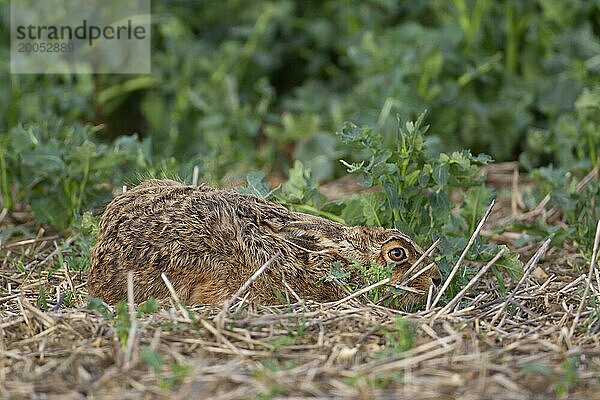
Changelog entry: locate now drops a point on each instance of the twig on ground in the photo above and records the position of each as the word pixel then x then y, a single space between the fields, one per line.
pixel 175 297
pixel 589 280
pixel 529 267
pixel 45 319
pixel 469 285
pixel 364 290
pixel 219 336
pixel 132 321
pixel 463 255
pixel 219 318
pixel 27 242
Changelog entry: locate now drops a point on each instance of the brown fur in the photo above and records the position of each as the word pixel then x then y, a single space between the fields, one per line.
pixel 209 242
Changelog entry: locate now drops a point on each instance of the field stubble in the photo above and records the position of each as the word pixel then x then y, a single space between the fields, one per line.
pixel 541 340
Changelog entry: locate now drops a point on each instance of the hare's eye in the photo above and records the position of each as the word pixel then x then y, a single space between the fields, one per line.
pixel 397 254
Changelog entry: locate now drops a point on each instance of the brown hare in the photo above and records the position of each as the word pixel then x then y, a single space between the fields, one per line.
pixel 208 242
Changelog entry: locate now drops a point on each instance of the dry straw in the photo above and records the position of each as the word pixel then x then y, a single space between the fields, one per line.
pixel 545 333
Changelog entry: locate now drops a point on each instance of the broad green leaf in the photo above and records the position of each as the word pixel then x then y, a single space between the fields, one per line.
pixel 440 174
pixel 474 206
pixel 152 358
pixel 353 212
pixel 256 185
pixel 371 204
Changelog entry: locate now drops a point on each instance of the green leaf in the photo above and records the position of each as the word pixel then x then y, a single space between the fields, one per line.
pixel 256 185
pixel 96 304
pixel 533 367
pixel 510 262
pixel 440 174
pixel 122 323
pixel 152 358
pixel 474 206
pixel 150 306
pixel 52 211
pixel 353 211
pixel 371 203
pixel 352 133
pixel 298 183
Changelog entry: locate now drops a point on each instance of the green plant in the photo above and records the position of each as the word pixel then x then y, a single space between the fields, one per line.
pixel 372 274
pixel 61 168
pixel 96 304
pixel 568 377
pixel 122 323
pixel 416 184
pixel 572 143
pixel 399 339
pixel 119 319
pixel 150 306
pixel 41 300
pixel 238 86
pixel 580 208
pixel 156 362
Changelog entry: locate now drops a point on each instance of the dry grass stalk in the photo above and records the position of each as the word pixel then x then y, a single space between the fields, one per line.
pixel 243 288
pixel 463 255
pixel 28 242
pixel 529 267
pixel 303 349
pixel 3 214
pixel 132 320
pixel 589 279
pixel 291 290
pixel 469 285
pixel 175 297
pixel 429 298
pixel 43 318
pixel 360 292
pixel 419 273
pixel 195 175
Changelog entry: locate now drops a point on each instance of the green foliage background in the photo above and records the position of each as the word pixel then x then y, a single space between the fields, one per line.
pixel 241 86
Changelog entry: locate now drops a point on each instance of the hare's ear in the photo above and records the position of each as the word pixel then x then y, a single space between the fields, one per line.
pixel 292 228
pixel 295 234
pixel 272 224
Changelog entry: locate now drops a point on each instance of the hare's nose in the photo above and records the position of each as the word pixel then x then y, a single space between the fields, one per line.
pixel 436 276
